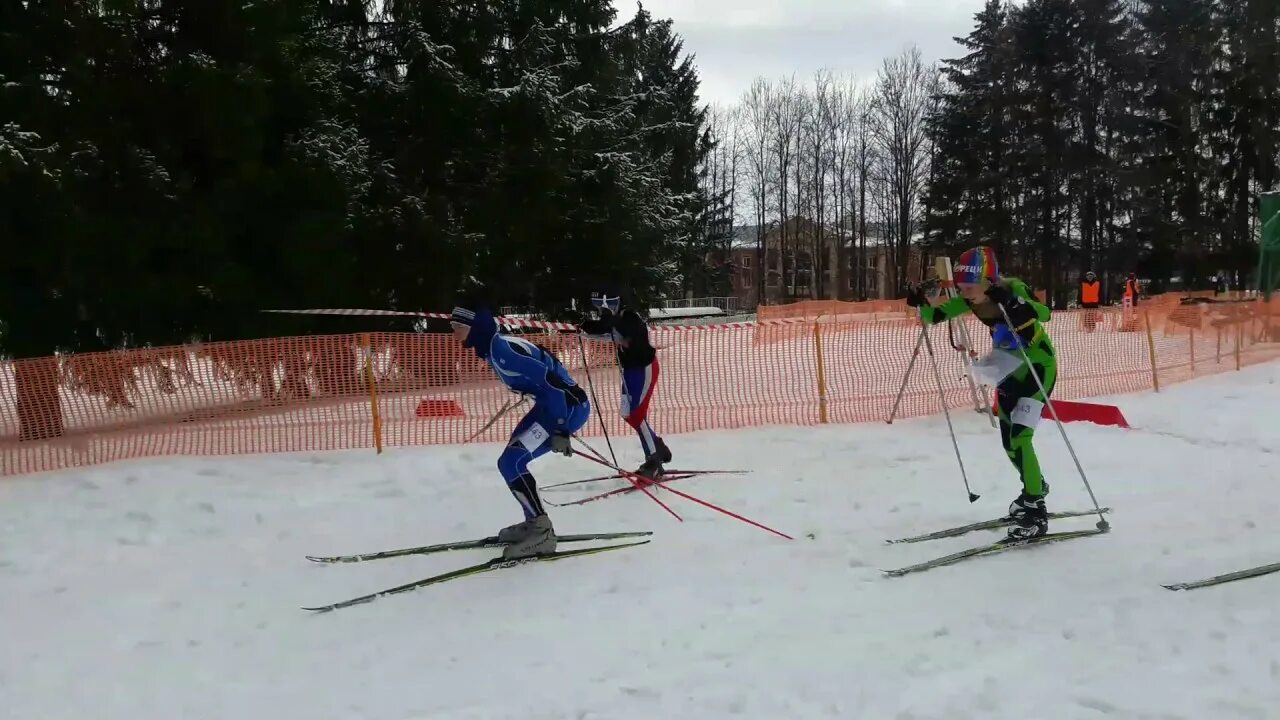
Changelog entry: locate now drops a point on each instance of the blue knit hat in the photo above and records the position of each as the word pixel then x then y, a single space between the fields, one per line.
pixel 483 328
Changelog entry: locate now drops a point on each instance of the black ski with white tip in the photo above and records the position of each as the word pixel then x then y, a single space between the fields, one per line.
pixel 487 566
pixel 996 547
pixel 488 542
pixel 995 524
pixel 1228 577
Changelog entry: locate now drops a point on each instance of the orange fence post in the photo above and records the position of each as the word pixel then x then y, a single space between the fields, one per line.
pixel 1239 339
pixel 1151 351
pixel 373 390
pixel 822 376
pixel 1193 349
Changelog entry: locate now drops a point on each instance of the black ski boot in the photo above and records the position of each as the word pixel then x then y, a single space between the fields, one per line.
pixel 1030 517
pixel 1017 506
pixel 652 469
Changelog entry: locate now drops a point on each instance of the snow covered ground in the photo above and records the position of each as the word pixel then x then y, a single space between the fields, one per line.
pixel 171 588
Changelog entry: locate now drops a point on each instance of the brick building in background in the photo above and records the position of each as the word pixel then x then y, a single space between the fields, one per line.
pixel 789 272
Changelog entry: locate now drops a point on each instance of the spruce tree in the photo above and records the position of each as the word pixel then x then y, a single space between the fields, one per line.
pixel 1177 180
pixel 969 198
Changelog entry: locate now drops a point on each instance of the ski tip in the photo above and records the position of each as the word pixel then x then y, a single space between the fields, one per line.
pixel 1175 586
pixel 325 560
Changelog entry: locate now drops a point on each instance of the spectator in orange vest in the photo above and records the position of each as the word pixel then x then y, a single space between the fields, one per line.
pixel 1132 288
pixel 1090 291
pixel 1090 298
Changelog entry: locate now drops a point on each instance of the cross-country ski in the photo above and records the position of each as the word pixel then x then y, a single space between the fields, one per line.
pixel 671 474
pixel 484 567
pixel 491 541
pixel 614 492
pixel 1227 577
pixel 995 524
pixel 992 549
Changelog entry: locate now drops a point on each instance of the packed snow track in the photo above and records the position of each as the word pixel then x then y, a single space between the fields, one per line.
pixel 155 590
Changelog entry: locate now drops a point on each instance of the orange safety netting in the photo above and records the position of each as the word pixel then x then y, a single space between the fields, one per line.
pixel 812 309
pixel 322 393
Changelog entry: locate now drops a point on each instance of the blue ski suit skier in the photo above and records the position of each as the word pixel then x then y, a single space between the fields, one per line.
pixel 560 409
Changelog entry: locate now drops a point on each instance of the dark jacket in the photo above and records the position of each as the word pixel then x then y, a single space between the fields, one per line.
pixel 626 325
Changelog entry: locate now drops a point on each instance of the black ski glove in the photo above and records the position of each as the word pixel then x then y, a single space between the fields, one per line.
pixel 915 296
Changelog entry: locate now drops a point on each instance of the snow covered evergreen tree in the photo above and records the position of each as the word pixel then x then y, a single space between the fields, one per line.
pixel 327 153
pixel 1130 137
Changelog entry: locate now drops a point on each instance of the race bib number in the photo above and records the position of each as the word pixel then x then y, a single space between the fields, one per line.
pixel 1028 412
pixel 532 438
pixel 995 366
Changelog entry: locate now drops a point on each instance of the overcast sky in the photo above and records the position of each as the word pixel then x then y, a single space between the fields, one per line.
pixel 736 40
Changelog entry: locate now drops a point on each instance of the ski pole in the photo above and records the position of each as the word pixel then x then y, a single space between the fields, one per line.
pixel 506 408
pixel 666 478
pixel 586 367
pixel 907 375
pixel 632 477
pixel 979 399
pixel 942 397
pixel 1102 521
pixel 681 473
pixel 629 476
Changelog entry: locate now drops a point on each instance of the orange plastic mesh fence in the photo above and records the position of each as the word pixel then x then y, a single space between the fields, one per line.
pixel 319 393
pixel 812 309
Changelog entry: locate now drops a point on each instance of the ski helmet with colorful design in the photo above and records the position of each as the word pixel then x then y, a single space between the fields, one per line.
pixel 976 265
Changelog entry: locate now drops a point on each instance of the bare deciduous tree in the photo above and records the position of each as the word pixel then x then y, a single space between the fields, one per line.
pixel 866 159
pixel 758 163
pixel 784 114
pixel 820 143
pixel 720 184
pixel 848 162
pixel 898 127
pixel 846 121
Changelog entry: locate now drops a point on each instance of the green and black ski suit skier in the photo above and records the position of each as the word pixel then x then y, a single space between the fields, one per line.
pixel 1019 400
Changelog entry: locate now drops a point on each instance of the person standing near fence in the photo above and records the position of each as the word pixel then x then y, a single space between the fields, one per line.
pixel 560 408
pixel 638 363
pixel 1020 402
pixel 1132 289
pixel 1090 299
